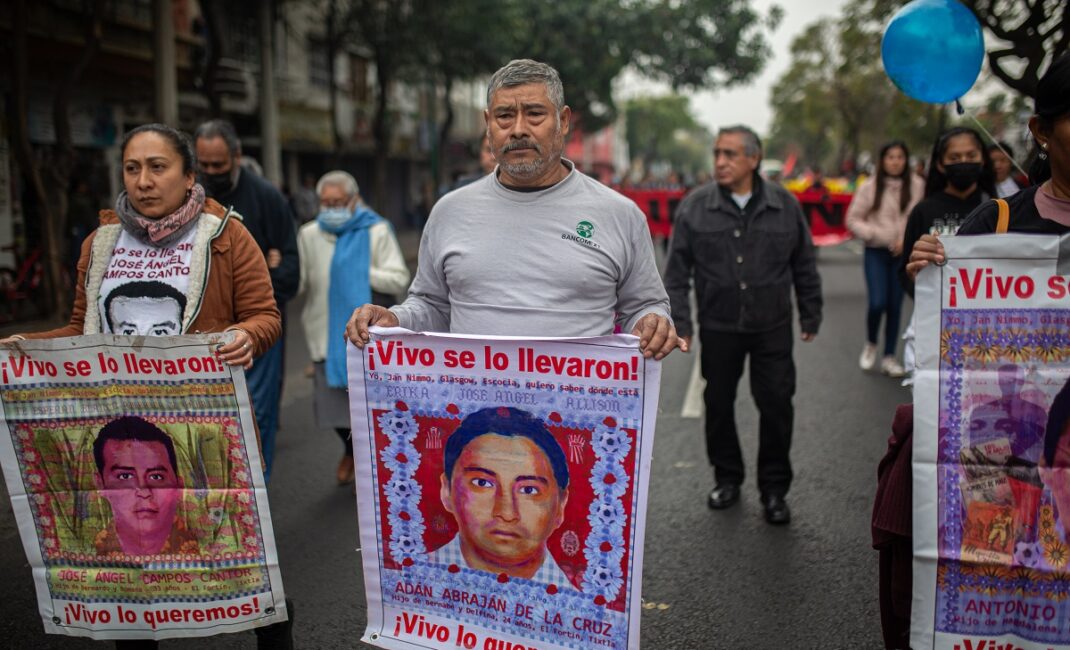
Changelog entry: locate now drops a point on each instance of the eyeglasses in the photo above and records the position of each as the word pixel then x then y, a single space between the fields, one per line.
pixel 331 205
pixel 730 154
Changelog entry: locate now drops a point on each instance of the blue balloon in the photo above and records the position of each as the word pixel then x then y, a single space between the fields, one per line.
pixel 933 49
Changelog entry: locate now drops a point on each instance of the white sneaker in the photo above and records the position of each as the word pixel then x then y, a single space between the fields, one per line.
pixel 892 368
pixel 868 358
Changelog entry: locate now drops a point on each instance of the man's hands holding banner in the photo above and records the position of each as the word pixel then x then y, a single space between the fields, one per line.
pixel 657 336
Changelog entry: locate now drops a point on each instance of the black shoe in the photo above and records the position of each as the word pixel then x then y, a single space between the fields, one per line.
pixel 776 508
pixel 723 496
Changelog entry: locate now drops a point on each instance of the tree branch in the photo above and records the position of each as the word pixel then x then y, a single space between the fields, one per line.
pixel 1013 82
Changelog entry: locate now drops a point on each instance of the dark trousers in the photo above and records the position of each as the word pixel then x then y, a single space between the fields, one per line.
pixel 896 578
pixel 345 435
pixel 885 294
pixel 772 384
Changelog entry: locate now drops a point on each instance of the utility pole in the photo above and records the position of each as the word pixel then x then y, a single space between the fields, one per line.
pixel 269 110
pixel 165 79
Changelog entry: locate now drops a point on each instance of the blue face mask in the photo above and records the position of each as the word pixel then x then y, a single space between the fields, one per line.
pixel 333 218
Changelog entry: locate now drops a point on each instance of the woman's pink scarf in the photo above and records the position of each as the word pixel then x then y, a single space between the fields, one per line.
pixel 166 229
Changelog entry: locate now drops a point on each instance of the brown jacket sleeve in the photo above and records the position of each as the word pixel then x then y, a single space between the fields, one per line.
pixel 76 325
pixel 255 310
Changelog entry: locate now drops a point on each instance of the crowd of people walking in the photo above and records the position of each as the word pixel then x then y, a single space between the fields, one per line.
pixel 741 252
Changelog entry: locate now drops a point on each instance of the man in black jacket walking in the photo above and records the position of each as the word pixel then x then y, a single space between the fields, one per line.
pixel 746 244
pixel 266 215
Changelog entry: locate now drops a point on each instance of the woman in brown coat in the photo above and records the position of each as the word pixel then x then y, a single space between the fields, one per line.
pixel 169 261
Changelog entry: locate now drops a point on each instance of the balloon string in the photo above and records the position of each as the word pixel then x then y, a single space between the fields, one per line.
pixel 962 111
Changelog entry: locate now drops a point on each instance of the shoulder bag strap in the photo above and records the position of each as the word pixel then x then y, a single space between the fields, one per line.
pixel 1004 220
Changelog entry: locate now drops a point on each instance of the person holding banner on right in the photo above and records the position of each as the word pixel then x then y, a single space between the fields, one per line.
pixel 1043 208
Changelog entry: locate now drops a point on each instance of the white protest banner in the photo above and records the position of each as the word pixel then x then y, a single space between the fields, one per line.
pixel 992 447
pixel 501 488
pixel 135 476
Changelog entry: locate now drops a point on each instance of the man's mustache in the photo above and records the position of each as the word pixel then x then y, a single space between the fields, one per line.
pixel 521 144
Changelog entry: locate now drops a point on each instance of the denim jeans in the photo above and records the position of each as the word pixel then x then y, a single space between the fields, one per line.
pixel 885 295
pixel 265 388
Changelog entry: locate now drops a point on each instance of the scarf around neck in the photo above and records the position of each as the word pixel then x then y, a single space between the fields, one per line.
pixel 349 286
pixel 166 229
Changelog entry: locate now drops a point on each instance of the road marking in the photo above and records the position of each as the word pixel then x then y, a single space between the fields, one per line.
pixel 693 405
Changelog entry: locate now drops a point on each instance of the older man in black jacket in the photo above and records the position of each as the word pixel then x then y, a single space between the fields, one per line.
pixel 746 243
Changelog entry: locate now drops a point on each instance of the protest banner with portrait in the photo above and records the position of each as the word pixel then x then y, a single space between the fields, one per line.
pixel 992 446
pixel 135 476
pixel 501 489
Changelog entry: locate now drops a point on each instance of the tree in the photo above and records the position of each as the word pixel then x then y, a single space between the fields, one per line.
pixel 835 101
pixel 214 26
pixel 688 44
pixel 388 30
pixel 1032 30
pixel 457 46
pixel 653 125
pixel 49 174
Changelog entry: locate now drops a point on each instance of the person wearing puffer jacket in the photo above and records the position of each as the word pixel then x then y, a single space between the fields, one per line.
pixel 878 216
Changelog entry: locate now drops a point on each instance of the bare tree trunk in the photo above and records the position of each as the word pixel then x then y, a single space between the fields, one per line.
pixel 332 86
pixel 381 127
pixel 62 164
pixel 20 136
pixel 213 28
pixel 444 133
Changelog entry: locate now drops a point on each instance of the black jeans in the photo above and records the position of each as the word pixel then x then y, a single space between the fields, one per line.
pixel 345 435
pixel 772 384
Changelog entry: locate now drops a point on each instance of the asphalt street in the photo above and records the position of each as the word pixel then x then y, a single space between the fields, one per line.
pixel 711 580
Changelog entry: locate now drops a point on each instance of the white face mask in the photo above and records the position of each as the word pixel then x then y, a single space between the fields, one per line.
pixel 334 217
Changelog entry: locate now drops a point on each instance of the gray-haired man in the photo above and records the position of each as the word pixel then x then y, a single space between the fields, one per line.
pixel 537 249
pixel 746 243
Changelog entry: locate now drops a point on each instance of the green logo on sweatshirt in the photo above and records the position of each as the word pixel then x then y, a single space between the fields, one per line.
pixel 585 229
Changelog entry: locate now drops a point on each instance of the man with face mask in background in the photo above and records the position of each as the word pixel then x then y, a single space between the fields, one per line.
pixel 267 216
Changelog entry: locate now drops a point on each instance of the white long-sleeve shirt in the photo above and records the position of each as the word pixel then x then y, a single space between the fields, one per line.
pixel 564 261
pixel 387 274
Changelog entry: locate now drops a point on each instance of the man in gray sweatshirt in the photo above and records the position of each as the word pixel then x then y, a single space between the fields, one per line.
pixel 535 248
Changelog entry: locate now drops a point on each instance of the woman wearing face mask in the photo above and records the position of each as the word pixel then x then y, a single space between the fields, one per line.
pixel 1043 208
pixel 877 216
pixel 960 179
pixel 346 253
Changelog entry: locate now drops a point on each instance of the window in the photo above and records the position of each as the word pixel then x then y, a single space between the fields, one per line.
pixel 319 74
